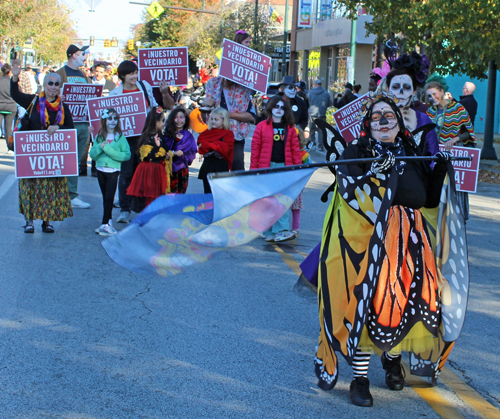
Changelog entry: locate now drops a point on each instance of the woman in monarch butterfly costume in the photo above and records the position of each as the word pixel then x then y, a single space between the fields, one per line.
pixel 389 279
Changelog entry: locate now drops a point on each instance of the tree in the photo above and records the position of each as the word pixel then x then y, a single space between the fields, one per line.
pixel 459 37
pixel 203 33
pixel 47 21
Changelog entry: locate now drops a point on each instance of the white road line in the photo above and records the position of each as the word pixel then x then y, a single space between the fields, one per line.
pixel 6 185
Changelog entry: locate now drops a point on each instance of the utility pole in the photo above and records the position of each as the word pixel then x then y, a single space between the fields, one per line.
pixel 285 40
pixel 488 151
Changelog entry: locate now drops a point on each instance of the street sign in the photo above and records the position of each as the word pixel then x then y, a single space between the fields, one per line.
pixel 155 9
pixel 130 106
pixel 76 95
pixel 466 172
pixel 245 66
pixel 164 64
pixel 39 154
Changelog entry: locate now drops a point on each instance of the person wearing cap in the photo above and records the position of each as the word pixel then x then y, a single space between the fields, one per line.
pixel 71 73
pixel 302 92
pixel 288 89
pixel 341 100
pixel 320 101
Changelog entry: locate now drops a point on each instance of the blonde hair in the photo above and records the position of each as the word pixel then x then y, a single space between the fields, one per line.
pixel 225 118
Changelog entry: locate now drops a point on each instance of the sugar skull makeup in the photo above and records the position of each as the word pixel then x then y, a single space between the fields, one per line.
pixel 279 110
pixel 402 88
pixel 112 121
pixel 434 96
pixel 383 123
pixel 290 91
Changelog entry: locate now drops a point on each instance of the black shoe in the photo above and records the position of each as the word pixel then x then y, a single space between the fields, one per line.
pixel 394 372
pixel 29 228
pixel 360 392
pixel 82 174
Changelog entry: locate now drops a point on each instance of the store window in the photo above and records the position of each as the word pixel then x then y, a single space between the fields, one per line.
pixel 341 64
pixel 313 65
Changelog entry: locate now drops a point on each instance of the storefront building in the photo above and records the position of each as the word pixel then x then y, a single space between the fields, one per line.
pixel 332 49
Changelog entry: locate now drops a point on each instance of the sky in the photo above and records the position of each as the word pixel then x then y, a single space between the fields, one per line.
pixel 112 18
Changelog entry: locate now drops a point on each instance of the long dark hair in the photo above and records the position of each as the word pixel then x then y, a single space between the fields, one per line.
pixel 287 118
pixel 240 36
pixel 170 128
pixel 103 131
pixel 403 133
pixel 154 115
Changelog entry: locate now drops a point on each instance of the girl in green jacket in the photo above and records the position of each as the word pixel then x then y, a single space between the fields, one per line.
pixel 109 150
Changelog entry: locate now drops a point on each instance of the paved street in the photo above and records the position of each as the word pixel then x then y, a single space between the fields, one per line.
pixel 80 337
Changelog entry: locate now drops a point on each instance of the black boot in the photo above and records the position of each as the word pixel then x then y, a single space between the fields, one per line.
pixel 394 372
pixel 360 392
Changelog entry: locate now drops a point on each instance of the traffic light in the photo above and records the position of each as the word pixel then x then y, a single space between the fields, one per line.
pixel 130 44
pixel 92 40
pixel 114 42
pixel 106 43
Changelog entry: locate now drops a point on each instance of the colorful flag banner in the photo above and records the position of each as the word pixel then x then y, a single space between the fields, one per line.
pixel 177 231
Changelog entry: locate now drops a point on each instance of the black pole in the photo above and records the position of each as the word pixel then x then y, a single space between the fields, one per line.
pixel 256 25
pixel 488 151
pixel 324 164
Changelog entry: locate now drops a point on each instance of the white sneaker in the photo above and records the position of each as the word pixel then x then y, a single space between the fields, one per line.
pixel 97 230
pixel 269 239
pixel 124 217
pixel 78 203
pixel 284 236
pixel 106 230
pixel 10 152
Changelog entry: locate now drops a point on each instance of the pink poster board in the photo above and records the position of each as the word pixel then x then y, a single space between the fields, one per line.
pixel 76 95
pixel 466 172
pixel 245 66
pixel 345 118
pixel 164 64
pixel 39 154
pixel 131 107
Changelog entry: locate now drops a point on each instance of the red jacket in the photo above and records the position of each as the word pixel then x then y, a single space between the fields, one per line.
pixel 262 146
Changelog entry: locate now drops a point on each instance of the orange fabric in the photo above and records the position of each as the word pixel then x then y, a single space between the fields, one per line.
pixel 394 286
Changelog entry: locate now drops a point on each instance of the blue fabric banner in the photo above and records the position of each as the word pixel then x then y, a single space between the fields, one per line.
pixel 177 231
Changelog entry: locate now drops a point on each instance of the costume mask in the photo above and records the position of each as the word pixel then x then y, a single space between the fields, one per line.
pixel 290 91
pixel 402 88
pixel 279 110
pixel 383 123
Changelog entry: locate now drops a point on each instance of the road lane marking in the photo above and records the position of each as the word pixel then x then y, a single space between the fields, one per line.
pixel 420 385
pixel 7 183
pixel 468 394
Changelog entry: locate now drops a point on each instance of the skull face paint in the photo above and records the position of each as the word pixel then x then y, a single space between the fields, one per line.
pixel 279 110
pixel 402 88
pixel 434 96
pixel 383 123
pixel 290 91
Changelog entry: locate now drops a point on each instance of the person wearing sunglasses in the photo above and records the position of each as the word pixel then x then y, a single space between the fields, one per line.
pixel 275 143
pixel 47 198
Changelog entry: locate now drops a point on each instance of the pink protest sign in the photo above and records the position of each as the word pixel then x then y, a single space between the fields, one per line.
pixel 130 106
pixel 39 154
pixel 76 95
pixel 164 64
pixel 466 172
pixel 345 118
pixel 245 66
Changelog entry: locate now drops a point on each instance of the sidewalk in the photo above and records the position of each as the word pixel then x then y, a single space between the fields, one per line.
pixel 493 165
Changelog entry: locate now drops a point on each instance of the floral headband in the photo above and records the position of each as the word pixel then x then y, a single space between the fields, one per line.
pixel 241 33
pixel 105 114
pixel 159 109
pixel 370 99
